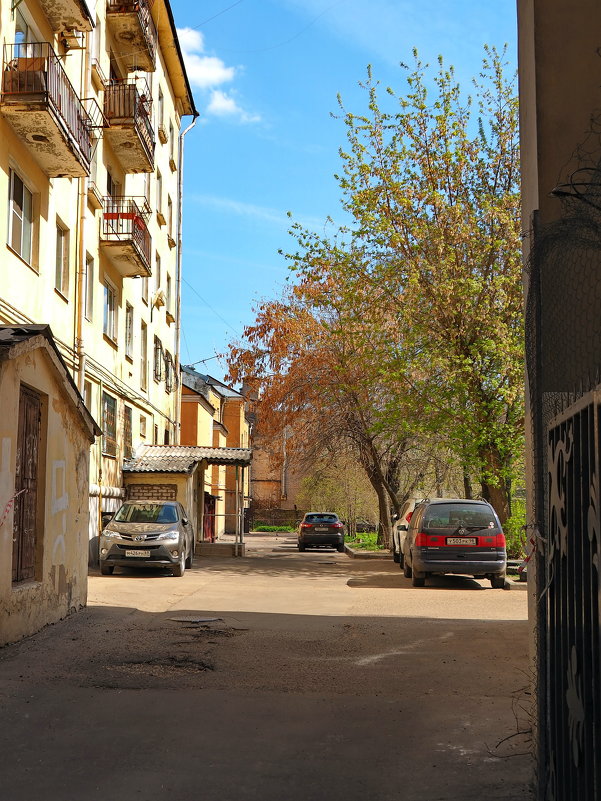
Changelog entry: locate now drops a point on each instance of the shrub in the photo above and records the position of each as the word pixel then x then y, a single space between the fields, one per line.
pixel 515 532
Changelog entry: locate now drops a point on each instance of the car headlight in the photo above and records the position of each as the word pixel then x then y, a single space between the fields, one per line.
pixel 111 535
pixel 169 535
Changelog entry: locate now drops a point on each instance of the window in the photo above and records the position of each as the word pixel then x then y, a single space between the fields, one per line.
pixel 87 394
pixel 110 311
pixel 20 232
pixel 127 432
pixel 129 330
pixel 168 372
pixel 145 290
pixel 166 437
pixel 158 270
pixel 168 293
pixel 61 274
pixel 142 427
pixel 161 109
pixel 169 216
pixel 158 359
pixel 156 435
pixel 88 299
pixel 147 187
pixel 109 425
pixel 143 355
pixel 159 191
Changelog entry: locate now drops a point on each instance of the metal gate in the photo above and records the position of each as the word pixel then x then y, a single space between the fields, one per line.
pixel 572 602
pixel 26 486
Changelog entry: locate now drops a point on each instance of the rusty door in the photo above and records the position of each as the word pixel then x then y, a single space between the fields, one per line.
pixel 26 483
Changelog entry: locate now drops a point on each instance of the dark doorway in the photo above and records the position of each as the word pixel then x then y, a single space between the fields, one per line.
pixel 26 485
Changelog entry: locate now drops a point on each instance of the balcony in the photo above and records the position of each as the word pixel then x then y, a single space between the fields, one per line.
pixel 43 108
pixel 135 33
pixel 127 109
pixel 124 236
pixel 67 15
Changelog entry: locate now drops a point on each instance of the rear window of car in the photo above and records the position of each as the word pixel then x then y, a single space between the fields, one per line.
pixel 322 518
pixel 452 516
pixel 146 513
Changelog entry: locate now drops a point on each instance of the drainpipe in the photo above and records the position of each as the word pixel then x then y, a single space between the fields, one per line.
pixel 178 291
pixel 81 253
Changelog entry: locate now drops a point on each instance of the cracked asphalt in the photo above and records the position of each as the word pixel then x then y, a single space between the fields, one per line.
pixel 275 676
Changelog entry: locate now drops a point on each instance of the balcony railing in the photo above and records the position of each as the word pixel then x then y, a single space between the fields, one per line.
pixel 125 222
pixel 33 76
pixel 136 32
pixel 127 105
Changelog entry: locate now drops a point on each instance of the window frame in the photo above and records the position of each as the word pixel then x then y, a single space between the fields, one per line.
pixel 109 435
pixel 129 331
pixel 110 314
pixel 21 216
pixel 61 259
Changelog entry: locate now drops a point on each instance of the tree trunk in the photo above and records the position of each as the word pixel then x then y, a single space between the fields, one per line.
pixel 495 490
pixel 467 482
pixel 384 529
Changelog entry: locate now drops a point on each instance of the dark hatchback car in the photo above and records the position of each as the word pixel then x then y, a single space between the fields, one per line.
pixel 321 528
pixel 455 535
pixel 155 533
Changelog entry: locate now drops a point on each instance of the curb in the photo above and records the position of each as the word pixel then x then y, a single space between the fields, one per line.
pixel 356 554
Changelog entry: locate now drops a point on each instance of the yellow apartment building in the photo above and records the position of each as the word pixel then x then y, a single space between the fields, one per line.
pixel 91 106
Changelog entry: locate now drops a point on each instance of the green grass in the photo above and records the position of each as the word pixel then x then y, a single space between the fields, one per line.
pixel 368 541
pixel 264 527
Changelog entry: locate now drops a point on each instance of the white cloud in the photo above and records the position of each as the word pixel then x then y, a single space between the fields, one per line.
pixel 223 105
pixel 253 211
pixel 207 72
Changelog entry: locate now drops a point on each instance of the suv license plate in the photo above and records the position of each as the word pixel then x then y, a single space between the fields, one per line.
pixel 462 540
pixel 321 528
pixel 137 553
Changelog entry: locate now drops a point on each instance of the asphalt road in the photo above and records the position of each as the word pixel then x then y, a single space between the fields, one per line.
pixel 279 676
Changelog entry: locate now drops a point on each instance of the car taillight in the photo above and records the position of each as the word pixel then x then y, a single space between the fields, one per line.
pixel 500 541
pixel 338 525
pixel 409 515
pixel 422 540
pixel 306 525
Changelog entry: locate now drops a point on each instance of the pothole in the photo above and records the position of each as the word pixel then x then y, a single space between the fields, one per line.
pixel 163 666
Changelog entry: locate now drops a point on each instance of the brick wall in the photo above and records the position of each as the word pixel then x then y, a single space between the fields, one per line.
pixel 152 492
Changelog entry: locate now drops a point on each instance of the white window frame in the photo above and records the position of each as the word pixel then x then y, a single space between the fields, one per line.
pixel 61 263
pixel 109 323
pixel 129 330
pixel 24 215
pixel 89 288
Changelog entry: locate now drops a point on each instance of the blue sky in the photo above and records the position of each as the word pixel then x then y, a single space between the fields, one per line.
pixel 266 75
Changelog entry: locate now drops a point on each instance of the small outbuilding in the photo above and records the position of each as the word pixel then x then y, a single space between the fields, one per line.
pixel 45 437
pixel 177 473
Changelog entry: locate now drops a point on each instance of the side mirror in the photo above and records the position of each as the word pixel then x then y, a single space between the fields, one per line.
pixel 105 518
pixel 395 516
pixel 404 527
pixel 185 521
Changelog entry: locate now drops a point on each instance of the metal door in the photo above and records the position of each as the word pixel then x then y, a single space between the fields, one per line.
pixel 26 484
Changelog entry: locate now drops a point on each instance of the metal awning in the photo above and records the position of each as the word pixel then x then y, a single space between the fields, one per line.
pixel 184 458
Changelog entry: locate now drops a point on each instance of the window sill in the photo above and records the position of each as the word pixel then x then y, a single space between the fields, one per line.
pixel 129 358
pixel 111 341
pixel 61 295
pixel 109 455
pixel 26 263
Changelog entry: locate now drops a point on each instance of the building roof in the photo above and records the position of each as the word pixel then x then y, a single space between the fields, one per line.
pixel 200 382
pixel 16 340
pixel 172 53
pixel 183 458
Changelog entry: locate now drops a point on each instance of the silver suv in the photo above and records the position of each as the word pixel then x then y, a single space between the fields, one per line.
pixel 455 535
pixel 156 533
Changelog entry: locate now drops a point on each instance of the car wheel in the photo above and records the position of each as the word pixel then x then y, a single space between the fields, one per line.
pixel 418 579
pixel 190 559
pixel 180 568
pixel 497 582
pixel 406 568
pixel 301 547
pixel 401 561
pixel 106 570
pixel 396 557
pixel 340 548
